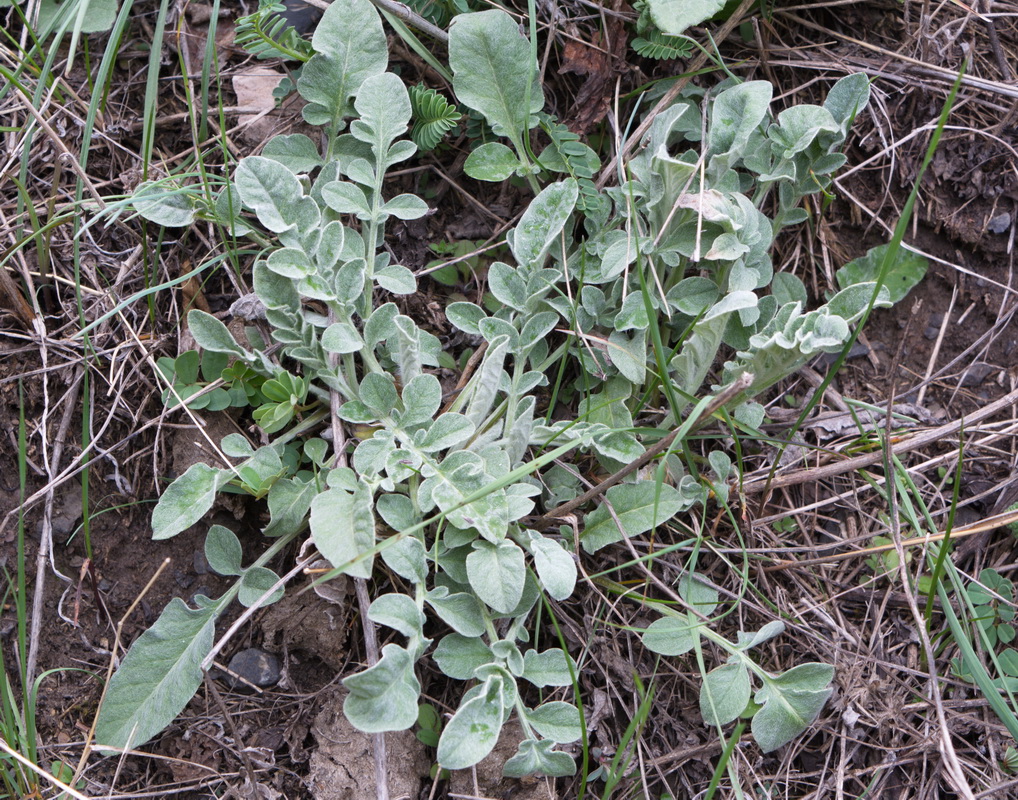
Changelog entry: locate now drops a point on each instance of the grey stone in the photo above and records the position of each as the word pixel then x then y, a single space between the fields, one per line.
pixel 976 374
pixel 999 223
pixel 255 666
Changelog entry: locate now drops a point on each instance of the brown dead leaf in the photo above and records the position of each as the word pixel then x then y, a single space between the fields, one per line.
pixel 253 87
pixel 601 60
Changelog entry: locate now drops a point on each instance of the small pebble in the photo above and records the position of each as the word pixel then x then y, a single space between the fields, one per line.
pixel 999 223
pixel 201 564
pixel 858 351
pixel 182 579
pixel 255 666
pixel 976 374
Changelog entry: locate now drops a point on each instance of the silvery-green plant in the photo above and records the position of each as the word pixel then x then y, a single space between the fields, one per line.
pixel 452 479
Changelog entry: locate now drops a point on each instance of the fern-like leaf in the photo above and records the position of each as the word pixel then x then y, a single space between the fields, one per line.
pixel 657 45
pixel 268 34
pixel 577 160
pixel 434 117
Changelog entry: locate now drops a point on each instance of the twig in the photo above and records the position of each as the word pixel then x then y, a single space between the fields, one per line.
pixel 403 12
pixel 954 769
pixel 723 397
pixel 938 73
pixel 245 759
pixel 46 539
pixel 988 524
pixel 468 371
pixel 371 646
pixel 906 445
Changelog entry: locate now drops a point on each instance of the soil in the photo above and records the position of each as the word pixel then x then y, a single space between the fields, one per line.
pixel 949 347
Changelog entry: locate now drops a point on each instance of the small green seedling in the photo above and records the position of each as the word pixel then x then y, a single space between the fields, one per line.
pixel 992 597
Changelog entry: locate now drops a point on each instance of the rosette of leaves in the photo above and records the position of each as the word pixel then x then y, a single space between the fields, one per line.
pixel 453 480
pixel 450 483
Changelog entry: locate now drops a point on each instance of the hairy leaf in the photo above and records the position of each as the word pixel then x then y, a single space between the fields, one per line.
pixel 187 499
pixel 493 68
pixel 158 676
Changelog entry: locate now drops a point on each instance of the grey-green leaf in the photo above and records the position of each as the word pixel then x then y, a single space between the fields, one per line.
pixel 422 397
pixel 295 151
pixel 555 567
pixel 223 551
pixel 493 68
pixel 473 731
pixel 271 190
pixel 406 206
pixel 384 696
pixel 350 46
pixel 343 529
pixel 905 269
pixel 557 721
pixel 447 431
pixel 341 337
pixel 736 113
pixel 255 583
pixel 543 221
pixel 492 162
pixel 548 668
pixel 378 392
pixel 672 636
pixel 164 204
pixel 675 16
pixel 459 610
pixel 639 507
pixel 396 279
pixel 538 755
pixel 724 694
pixel 187 499
pixel 458 656
pixel 791 702
pixel 399 612
pixel 158 677
pixel 212 334
pixel 507 286
pixel 497 573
